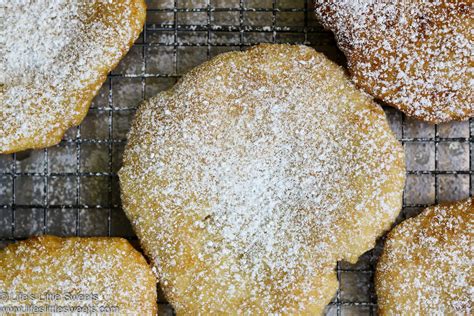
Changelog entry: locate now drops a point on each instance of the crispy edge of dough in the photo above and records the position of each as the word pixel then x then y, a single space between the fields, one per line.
pixel 85 96
pixel 361 83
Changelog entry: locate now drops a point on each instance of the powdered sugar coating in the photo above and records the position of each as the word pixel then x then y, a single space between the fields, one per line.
pixel 414 55
pixel 97 272
pixel 249 179
pixel 57 55
pixel 426 265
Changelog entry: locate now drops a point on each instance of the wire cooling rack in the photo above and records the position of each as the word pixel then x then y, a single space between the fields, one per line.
pixel 72 188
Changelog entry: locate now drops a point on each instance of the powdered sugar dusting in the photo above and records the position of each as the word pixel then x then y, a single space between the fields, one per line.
pixel 39 42
pixel 249 179
pixel 87 272
pixel 414 55
pixel 57 54
pixel 426 266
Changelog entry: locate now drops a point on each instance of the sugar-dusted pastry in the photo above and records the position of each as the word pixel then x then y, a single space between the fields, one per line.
pixel 253 175
pixel 93 275
pixel 414 55
pixel 426 265
pixel 55 57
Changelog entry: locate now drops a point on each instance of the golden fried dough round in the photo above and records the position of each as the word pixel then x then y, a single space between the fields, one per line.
pixel 253 175
pixel 96 274
pixel 414 55
pixel 56 56
pixel 426 265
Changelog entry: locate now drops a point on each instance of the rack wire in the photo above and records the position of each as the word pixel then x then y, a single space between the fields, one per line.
pixel 72 188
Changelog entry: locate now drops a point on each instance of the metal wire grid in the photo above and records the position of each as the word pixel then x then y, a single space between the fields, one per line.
pixel 72 188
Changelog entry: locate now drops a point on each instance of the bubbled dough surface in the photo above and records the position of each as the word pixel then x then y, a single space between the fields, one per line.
pixel 108 267
pixel 57 55
pixel 250 178
pixel 414 55
pixel 426 264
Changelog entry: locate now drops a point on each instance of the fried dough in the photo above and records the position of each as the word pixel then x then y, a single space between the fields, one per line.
pixel 253 175
pixel 97 274
pixel 414 55
pixel 426 264
pixel 57 55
